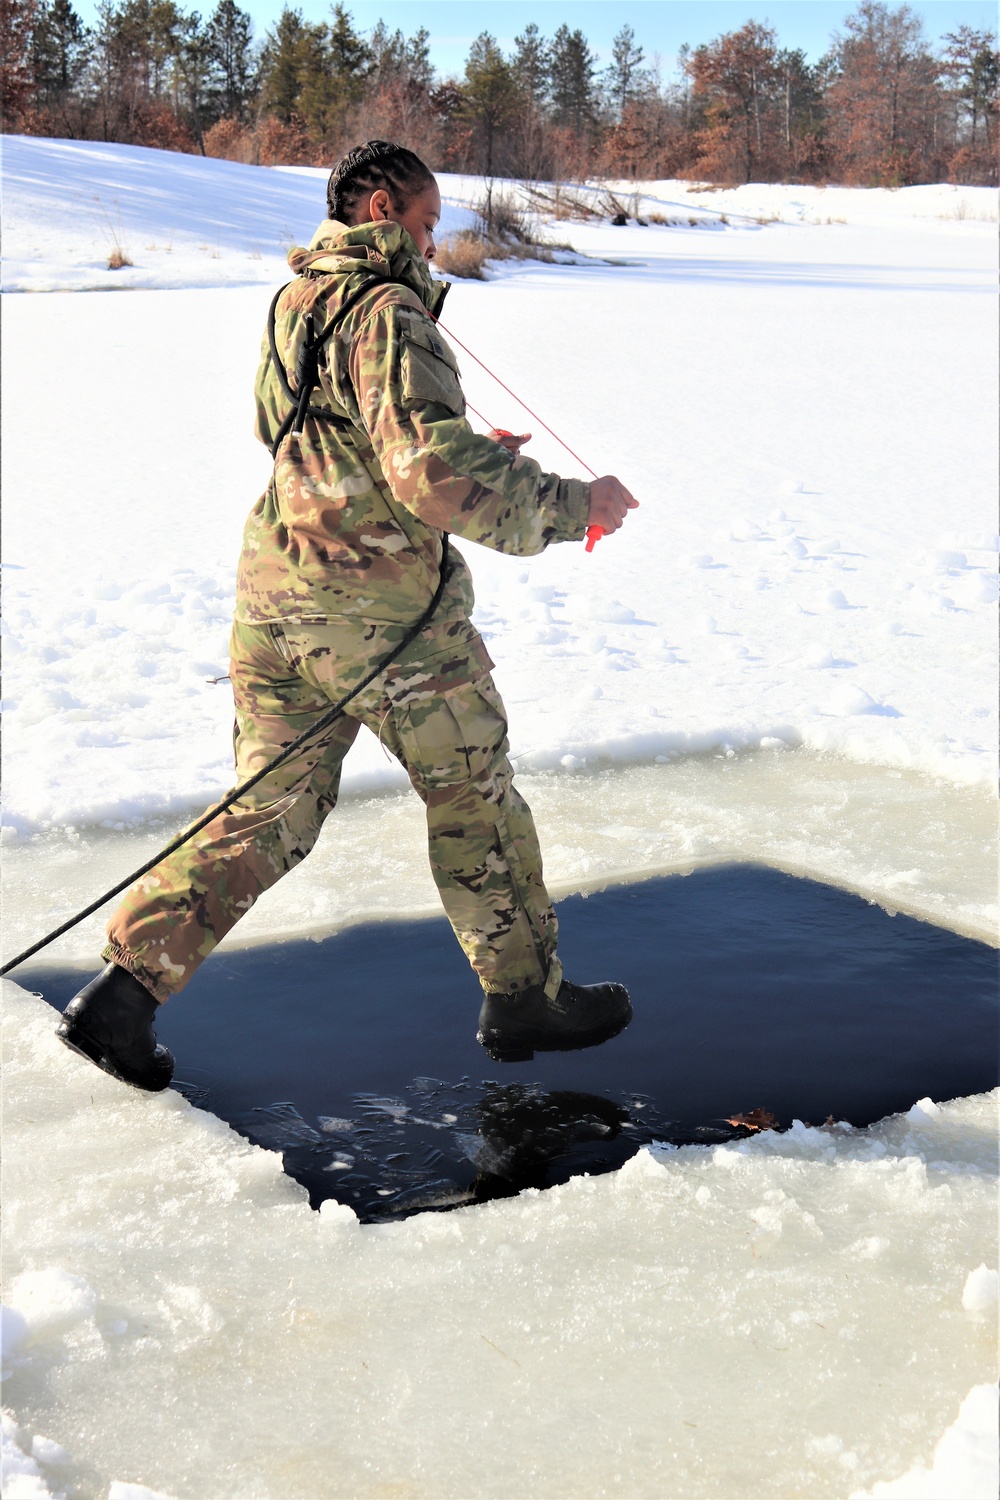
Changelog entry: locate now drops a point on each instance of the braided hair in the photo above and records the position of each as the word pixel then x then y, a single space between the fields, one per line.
pixel 376 164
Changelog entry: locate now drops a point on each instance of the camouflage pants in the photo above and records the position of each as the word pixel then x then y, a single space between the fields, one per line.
pixel 439 713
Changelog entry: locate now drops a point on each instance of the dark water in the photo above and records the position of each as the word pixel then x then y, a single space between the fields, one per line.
pixel 356 1056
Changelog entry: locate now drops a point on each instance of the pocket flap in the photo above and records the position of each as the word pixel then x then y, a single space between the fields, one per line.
pixel 429 370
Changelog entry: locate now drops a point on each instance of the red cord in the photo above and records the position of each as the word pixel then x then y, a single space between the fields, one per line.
pixel 507 388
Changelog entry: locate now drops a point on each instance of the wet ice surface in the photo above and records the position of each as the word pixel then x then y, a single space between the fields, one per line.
pixel 913 842
pixel 356 1057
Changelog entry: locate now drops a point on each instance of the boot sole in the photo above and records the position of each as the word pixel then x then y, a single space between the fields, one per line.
pixel 522 1049
pixel 86 1046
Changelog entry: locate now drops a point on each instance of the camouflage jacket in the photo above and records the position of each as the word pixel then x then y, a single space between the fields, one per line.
pixel 352 520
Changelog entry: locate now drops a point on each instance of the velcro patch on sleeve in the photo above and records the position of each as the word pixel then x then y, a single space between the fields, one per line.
pixel 429 370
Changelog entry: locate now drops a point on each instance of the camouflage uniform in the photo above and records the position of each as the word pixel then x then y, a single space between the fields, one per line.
pixel 340 554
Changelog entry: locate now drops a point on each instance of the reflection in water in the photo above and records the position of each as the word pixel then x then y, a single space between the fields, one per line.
pixel 523 1131
pixel 458 1143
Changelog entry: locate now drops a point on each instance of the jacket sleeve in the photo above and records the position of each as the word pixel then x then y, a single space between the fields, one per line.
pixel 406 388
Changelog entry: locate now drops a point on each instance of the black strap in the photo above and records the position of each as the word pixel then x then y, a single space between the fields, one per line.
pixel 307 364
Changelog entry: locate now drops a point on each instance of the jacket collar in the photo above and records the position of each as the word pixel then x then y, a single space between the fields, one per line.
pixel 340 249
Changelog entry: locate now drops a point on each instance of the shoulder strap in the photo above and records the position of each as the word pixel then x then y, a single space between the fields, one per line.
pixel 307 364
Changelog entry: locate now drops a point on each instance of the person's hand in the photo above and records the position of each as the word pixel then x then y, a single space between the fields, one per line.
pixel 610 503
pixel 508 440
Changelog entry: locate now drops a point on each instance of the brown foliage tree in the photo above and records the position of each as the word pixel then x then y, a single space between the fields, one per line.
pixel 884 98
pixel 736 77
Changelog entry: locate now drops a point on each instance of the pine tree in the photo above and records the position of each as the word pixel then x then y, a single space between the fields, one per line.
pixel 572 70
pixel 738 74
pixel 972 63
pixel 418 59
pixel 349 56
pixel 60 50
pixel 282 64
pixel 530 65
pixel 625 77
pixel 489 97
pixel 17 19
pixel 802 112
pixel 883 95
pixel 232 64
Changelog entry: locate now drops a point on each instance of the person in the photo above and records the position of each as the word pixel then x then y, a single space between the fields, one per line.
pixel 341 555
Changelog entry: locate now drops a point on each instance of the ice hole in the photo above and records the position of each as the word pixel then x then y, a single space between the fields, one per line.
pixel 754 990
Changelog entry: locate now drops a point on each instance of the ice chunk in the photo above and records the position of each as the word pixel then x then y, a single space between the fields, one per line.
pixel 334 1215
pixel 923 1111
pixel 13 1332
pixel 977 587
pixel 48 1452
pixel 51 1300
pixel 20 1475
pixel 278 1127
pixel 946 562
pixel 982 1289
pixel 965 1465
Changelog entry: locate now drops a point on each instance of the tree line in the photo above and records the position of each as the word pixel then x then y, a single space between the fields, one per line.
pixel 882 107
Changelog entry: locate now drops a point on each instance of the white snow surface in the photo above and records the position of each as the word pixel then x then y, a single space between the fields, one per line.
pixel 805 410
pixel 775 1317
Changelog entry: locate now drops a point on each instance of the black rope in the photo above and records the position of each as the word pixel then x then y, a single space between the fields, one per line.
pixel 323 723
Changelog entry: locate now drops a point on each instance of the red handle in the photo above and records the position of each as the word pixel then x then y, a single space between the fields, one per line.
pixel 594 534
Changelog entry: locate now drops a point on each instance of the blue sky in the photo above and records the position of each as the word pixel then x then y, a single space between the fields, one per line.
pixel 661 26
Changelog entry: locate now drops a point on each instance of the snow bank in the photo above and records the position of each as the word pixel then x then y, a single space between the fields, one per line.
pixel 783 1315
pixel 182 220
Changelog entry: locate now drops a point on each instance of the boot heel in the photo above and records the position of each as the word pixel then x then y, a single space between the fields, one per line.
pixel 79 1041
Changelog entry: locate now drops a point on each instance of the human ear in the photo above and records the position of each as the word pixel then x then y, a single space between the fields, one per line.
pixel 378 207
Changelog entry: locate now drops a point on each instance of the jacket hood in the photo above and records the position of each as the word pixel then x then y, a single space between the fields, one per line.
pixel 341 249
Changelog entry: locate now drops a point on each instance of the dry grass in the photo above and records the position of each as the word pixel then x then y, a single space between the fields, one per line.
pixel 675 221
pixel 964 210
pixel 463 254
pixel 503 232
pixel 118 258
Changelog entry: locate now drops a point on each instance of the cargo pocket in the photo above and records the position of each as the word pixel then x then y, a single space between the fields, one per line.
pixel 454 737
pixel 429 371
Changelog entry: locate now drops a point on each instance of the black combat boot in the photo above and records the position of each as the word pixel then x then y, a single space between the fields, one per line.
pixel 514 1026
pixel 110 1022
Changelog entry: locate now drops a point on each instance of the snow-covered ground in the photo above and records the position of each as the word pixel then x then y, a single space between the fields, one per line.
pixel 805 412
pixel 789 654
